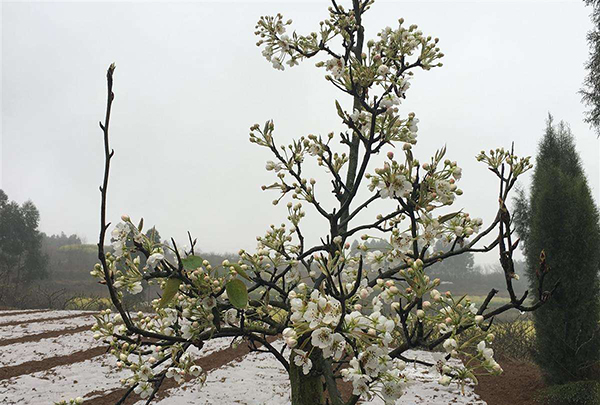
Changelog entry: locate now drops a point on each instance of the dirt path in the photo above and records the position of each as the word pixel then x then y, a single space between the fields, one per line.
pixel 45 335
pixel 46 364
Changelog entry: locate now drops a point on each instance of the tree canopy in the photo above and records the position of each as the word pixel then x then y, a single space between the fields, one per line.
pixel 21 257
pixel 343 313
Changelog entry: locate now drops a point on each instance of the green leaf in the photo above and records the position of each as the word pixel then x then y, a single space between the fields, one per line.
pixel 241 271
pixel 171 288
pixel 237 293
pixel 340 111
pixel 448 217
pixel 192 262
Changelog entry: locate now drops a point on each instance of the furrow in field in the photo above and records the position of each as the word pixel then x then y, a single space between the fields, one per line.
pixel 214 354
pixel 49 363
pixel 61 382
pixel 89 374
pixel 63 345
pixel 44 335
pixel 6 312
pixel 40 317
pixel 26 329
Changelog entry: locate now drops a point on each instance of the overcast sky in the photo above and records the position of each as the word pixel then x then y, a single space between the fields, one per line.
pixel 190 82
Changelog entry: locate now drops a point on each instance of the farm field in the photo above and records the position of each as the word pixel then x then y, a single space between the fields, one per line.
pixel 49 356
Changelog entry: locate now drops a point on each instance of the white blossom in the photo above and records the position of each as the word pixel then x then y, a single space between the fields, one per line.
pixel 144 389
pixel 450 344
pixel 154 259
pixel 302 360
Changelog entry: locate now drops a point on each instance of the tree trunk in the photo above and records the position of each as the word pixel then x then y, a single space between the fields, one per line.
pixel 306 389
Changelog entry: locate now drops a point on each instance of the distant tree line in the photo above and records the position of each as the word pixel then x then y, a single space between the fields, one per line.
pixel 40 270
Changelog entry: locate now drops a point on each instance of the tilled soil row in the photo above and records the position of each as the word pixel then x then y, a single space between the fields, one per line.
pixel 211 362
pixel 47 364
pixel 16 323
pixel 45 335
pixel 17 312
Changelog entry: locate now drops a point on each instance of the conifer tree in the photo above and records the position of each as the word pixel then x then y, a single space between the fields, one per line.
pixel 559 223
pixel 591 85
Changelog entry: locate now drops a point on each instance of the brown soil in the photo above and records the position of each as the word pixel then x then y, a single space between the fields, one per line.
pixel 46 364
pixel 208 363
pixel 45 335
pixel 15 323
pixel 517 385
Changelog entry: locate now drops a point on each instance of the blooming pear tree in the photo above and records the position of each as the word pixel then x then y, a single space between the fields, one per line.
pixel 342 313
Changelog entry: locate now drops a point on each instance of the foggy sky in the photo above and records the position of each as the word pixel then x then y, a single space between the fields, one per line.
pixel 190 82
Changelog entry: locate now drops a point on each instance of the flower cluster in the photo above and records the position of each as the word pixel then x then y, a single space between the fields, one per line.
pixel 495 158
pixel 375 372
pixel 405 42
pixel 123 262
pixel 437 186
pixel 141 360
pixel 282 48
pixel 392 180
pixel 314 310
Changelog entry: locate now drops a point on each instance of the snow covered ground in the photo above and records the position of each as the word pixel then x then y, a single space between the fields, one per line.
pixel 38 316
pixel 12 311
pixel 260 379
pixel 20 353
pixel 89 379
pixel 62 382
pixel 26 329
pixel 257 379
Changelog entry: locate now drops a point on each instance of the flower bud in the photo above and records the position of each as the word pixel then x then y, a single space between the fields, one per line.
pixel 444 380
